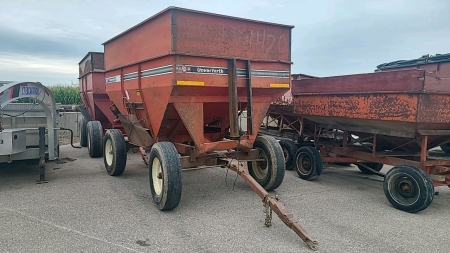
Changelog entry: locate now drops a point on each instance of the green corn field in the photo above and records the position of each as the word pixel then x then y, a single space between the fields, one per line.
pixel 66 95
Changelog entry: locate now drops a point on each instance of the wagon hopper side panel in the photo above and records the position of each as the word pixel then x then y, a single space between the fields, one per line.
pixel 223 37
pixel 147 41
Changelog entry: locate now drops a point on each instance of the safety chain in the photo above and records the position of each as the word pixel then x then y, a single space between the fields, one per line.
pixel 267 209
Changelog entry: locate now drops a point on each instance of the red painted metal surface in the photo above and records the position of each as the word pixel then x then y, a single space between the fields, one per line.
pixel 184 76
pixel 181 31
pixel 93 90
pixel 395 103
pixel 226 37
pixel 92 62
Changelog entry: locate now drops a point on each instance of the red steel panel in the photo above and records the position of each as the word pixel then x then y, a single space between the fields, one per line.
pixel 403 81
pixel 96 83
pixel 437 75
pixel 151 39
pixel 200 34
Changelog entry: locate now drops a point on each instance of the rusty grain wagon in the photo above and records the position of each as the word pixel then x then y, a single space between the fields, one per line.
pixel 390 117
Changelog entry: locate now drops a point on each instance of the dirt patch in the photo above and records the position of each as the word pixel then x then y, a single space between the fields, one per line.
pixel 64 160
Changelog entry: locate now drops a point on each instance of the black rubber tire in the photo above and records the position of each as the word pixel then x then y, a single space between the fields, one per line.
pixel 446 148
pixel 289 149
pixel 95 138
pixel 374 166
pixel 308 163
pixel 114 152
pixel 420 184
pixel 83 131
pixel 169 196
pixel 269 173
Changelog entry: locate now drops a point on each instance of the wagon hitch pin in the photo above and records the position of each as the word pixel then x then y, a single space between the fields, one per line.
pixel 276 206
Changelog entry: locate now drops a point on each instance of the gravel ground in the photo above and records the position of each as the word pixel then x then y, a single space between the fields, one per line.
pixel 65 140
pixel 82 209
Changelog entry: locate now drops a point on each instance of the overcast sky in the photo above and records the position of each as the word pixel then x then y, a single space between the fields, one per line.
pixel 44 40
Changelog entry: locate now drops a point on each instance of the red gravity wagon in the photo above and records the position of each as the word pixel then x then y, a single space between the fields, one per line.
pixel 176 84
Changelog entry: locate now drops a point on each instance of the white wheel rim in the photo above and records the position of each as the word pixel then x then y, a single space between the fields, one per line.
pixel 109 155
pixel 157 176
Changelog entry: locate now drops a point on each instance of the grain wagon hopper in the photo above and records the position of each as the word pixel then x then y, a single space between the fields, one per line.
pixel 177 83
pixel 388 117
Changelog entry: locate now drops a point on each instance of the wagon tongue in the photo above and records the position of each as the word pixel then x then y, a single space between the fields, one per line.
pixel 272 203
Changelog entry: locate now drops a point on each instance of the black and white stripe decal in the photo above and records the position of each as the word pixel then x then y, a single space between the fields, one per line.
pixel 191 69
pixel 156 71
pixel 144 73
pixel 130 76
pixel 209 70
pixel 269 73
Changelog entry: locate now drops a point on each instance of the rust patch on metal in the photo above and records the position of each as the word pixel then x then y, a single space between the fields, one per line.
pixel 391 107
pixel 434 108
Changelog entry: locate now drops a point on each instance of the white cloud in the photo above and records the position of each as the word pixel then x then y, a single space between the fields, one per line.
pixel 31 68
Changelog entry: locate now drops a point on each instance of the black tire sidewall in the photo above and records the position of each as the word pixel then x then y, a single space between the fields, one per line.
pixel 172 177
pixel 292 149
pixel 316 163
pixel 83 131
pixel 156 153
pixel 275 167
pixel 426 188
pixel 119 158
pixel 95 139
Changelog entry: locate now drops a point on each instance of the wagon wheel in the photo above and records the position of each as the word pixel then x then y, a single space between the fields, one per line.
pixel 95 138
pixel 408 188
pixel 165 176
pixel 83 131
pixel 308 163
pixel 115 152
pixel 289 149
pixel 374 166
pixel 269 172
